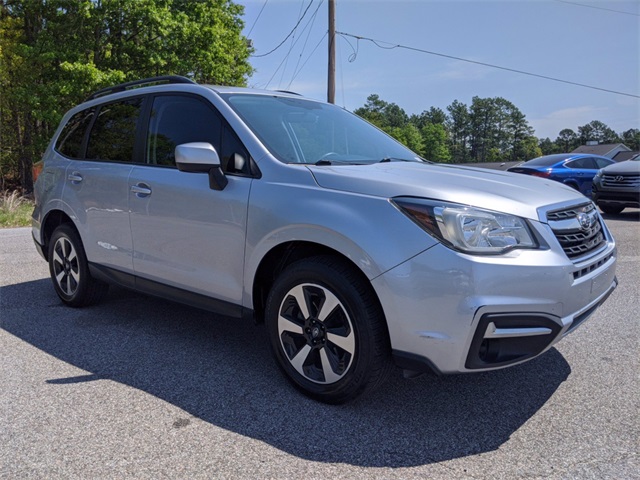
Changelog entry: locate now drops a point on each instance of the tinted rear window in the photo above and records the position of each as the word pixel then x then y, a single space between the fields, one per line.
pixel 70 140
pixel 114 131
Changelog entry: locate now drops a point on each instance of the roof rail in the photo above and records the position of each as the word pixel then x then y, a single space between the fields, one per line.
pixel 146 81
pixel 289 92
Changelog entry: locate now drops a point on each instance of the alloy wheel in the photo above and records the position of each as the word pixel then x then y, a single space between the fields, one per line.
pixel 316 333
pixel 66 267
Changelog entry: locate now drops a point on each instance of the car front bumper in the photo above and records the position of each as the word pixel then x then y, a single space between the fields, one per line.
pixel 455 313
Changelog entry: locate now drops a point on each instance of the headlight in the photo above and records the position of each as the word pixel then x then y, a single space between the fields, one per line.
pixel 468 229
pixel 598 174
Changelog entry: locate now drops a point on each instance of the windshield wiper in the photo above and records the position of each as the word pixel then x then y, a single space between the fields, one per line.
pixel 323 162
pixel 394 159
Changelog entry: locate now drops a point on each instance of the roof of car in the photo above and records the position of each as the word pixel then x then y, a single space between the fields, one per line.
pixel 223 89
pixel 170 81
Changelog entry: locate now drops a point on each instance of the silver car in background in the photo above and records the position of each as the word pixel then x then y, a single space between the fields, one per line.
pixel 354 252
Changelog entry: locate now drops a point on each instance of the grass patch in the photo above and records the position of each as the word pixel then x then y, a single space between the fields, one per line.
pixel 15 211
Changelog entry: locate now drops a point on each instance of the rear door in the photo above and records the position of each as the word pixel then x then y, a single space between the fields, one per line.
pixel 185 234
pixel 97 188
pixel 580 172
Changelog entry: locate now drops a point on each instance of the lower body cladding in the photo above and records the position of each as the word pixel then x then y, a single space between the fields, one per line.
pixel 452 313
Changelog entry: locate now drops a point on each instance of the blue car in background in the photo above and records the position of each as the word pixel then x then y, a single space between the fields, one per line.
pixel 573 169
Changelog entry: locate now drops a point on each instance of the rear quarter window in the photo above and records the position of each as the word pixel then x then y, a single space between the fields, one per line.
pixel 70 141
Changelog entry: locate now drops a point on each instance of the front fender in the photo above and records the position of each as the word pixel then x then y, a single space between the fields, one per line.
pixel 368 230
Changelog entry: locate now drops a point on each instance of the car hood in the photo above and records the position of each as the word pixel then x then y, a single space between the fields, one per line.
pixel 505 192
pixel 628 166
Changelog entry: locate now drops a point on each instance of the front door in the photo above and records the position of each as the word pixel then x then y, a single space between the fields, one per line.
pixel 185 234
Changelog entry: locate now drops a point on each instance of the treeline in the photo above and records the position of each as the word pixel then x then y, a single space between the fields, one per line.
pixel 54 53
pixel 488 130
pixel 595 131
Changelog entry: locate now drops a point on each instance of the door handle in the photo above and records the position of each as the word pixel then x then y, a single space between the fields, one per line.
pixel 74 177
pixel 141 190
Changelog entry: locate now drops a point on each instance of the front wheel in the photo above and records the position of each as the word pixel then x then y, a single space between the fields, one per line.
pixel 327 331
pixel 69 269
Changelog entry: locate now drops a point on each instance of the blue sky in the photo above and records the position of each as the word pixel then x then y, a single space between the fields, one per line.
pixel 588 42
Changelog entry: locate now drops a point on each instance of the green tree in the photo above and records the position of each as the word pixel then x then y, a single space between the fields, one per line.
pixel 597 131
pixel 548 147
pixel 530 148
pixel 382 114
pixel 53 53
pixel 408 135
pixel 458 124
pixel 433 115
pixel 567 140
pixel 631 138
pixel 498 130
pixel 436 146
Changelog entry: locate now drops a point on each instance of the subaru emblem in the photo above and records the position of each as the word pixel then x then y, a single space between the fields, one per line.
pixel 584 220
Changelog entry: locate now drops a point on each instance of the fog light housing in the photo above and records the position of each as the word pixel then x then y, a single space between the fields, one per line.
pixel 502 339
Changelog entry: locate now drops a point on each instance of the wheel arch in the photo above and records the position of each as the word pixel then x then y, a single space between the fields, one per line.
pixel 53 220
pixel 283 255
pixel 572 183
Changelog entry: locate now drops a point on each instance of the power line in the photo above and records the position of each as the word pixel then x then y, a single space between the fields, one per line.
pixel 522 72
pixel 309 24
pixel 287 56
pixel 287 37
pixel 310 55
pixel 598 8
pixel 256 20
pixel 293 42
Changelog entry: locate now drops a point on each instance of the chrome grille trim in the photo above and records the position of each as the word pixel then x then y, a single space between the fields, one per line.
pixel 621 180
pixel 576 238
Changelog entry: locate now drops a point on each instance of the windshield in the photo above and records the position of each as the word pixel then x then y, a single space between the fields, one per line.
pixel 302 131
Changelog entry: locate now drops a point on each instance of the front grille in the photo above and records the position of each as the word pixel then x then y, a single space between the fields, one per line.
pixel 578 229
pixel 631 181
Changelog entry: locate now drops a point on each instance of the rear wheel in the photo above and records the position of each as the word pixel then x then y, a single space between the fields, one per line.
pixel 69 269
pixel 611 210
pixel 327 331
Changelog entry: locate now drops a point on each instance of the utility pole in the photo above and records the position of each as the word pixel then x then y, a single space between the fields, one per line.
pixel 331 74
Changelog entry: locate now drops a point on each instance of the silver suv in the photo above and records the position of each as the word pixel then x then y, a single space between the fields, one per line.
pixel 355 253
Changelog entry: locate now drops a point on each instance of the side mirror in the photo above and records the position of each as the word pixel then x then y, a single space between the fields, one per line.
pixel 201 157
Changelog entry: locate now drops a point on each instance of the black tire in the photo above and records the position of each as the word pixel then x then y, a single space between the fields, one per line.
pixel 69 269
pixel 335 346
pixel 611 210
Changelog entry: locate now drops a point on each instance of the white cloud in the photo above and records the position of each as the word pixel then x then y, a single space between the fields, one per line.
pixel 458 70
pixel 551 124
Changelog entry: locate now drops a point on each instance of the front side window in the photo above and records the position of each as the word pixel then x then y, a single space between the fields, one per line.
pixel 303 131
pixel 114 131
pixel 69 142
pixel 179 119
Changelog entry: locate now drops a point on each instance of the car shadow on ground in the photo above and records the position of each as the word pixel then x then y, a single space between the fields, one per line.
pixel 220 370
pixel 629 214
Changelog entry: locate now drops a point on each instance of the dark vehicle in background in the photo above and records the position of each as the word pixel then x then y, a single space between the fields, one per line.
pixel 617 187
pixel 573 169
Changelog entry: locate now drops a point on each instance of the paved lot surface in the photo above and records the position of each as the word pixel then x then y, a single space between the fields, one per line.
pixel 141 388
